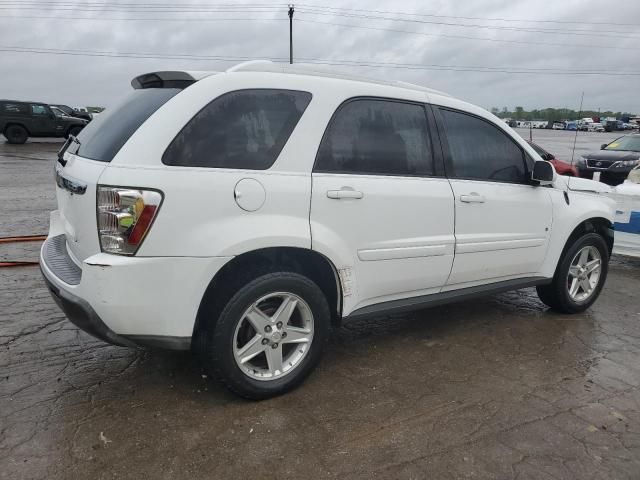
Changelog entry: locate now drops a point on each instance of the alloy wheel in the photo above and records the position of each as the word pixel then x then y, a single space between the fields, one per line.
pixel 584 273
pixel 273 336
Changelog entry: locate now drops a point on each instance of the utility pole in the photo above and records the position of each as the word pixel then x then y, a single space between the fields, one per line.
pixel 291 10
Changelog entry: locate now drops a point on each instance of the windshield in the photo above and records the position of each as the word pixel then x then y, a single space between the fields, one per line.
pixel 625 144
pixel 63 108
pixel 106 134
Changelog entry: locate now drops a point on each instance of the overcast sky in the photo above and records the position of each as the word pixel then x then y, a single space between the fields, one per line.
pixel 611 46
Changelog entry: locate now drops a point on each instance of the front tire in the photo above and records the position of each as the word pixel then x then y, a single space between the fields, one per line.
pixel 579 277
pixel 16 134
pixel 74 131
pixel 268 337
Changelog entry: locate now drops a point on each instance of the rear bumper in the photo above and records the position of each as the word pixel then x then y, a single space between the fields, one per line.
pixel 80 313
pixel 129 301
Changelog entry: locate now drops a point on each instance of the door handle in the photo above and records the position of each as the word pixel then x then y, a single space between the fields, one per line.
pixel 472 198
pixel 344 193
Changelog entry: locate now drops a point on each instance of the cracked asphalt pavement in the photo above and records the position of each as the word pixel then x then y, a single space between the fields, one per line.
pixel 496 388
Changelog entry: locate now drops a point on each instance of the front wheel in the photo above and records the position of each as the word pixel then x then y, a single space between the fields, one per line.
pixel 269 336
pixel 579 277
pixel 74 131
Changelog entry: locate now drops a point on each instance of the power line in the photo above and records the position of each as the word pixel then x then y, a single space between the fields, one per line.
pixel 317 61
pixel 492 19
pixel 464 37
pixel 184 6
pixel 548 31
pixel 253 7
pixel 145 19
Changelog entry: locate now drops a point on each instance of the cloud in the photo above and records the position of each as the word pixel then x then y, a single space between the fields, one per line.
pixel 82 80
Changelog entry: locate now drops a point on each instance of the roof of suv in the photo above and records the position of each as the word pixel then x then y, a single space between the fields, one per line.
pixel 22 101
pixel 176 78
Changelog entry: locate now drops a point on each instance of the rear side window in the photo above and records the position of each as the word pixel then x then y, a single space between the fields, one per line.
pixel 481 151
pixel 244 129
pixel 379 137
pixel 104 136
pixel 14 108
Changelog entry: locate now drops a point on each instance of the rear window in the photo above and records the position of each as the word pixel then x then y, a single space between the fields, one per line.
pixel 103 137
pixel 244 129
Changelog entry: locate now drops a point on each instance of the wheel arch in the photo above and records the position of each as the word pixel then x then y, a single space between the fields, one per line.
pixel 600 225
pixel 245 267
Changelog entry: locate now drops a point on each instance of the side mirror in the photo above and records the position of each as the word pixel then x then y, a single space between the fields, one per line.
pixel 603 146
pixel 543 172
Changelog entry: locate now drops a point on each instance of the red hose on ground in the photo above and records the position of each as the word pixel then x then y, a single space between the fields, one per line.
pixel 25 238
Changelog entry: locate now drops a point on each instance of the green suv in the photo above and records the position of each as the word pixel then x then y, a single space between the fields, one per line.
pixel 21 120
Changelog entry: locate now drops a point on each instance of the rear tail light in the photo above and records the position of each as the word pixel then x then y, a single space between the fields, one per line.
pixel 124 217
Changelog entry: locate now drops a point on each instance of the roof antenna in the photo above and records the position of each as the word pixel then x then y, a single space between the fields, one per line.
pixel 575 138
pixel 290 13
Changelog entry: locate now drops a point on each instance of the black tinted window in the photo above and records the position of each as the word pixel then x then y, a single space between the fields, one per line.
pixel 105 135
pixel 38 109
pixel 481 151
pixel 377 137
pixel 14 108
pixel 243 129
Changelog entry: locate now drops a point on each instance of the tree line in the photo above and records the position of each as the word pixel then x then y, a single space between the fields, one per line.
pixel 554 114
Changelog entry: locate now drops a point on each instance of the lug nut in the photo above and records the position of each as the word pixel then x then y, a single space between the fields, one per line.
pixel 275 345
pixel 267 328
pixel 284 334
pixel 265 341
pixel 279 325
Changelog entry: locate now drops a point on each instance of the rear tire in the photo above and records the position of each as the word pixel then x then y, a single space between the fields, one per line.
pixel 288 348
pixel 16 134
pixel 566 292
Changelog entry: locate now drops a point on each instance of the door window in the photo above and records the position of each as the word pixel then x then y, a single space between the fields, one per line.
pixel 38 109
pixel 378 137
pixel 243 129
pixel 481 151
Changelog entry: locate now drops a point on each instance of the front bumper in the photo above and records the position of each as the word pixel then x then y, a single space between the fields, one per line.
pixel 129 301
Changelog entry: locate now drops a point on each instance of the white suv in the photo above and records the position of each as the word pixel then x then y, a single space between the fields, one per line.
pixel 243 214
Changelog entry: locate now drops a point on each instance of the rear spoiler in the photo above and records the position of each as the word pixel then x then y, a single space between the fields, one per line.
pixel 169 79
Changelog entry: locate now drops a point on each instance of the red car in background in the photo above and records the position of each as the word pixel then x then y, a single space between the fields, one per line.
pixel 562 168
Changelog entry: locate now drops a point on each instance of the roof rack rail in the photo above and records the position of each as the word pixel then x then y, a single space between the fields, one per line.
pixel 321 70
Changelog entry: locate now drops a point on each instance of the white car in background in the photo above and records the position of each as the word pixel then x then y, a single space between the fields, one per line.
pixel 627 221
pixel 243 214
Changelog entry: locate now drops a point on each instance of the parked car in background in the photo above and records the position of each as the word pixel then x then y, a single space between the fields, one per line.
pixel 614 160
pixel 21 120
pixel 72 112
pixel 558 126
pixel 243 214
pixel 563 168
pixel 595 127
pixel 627 221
